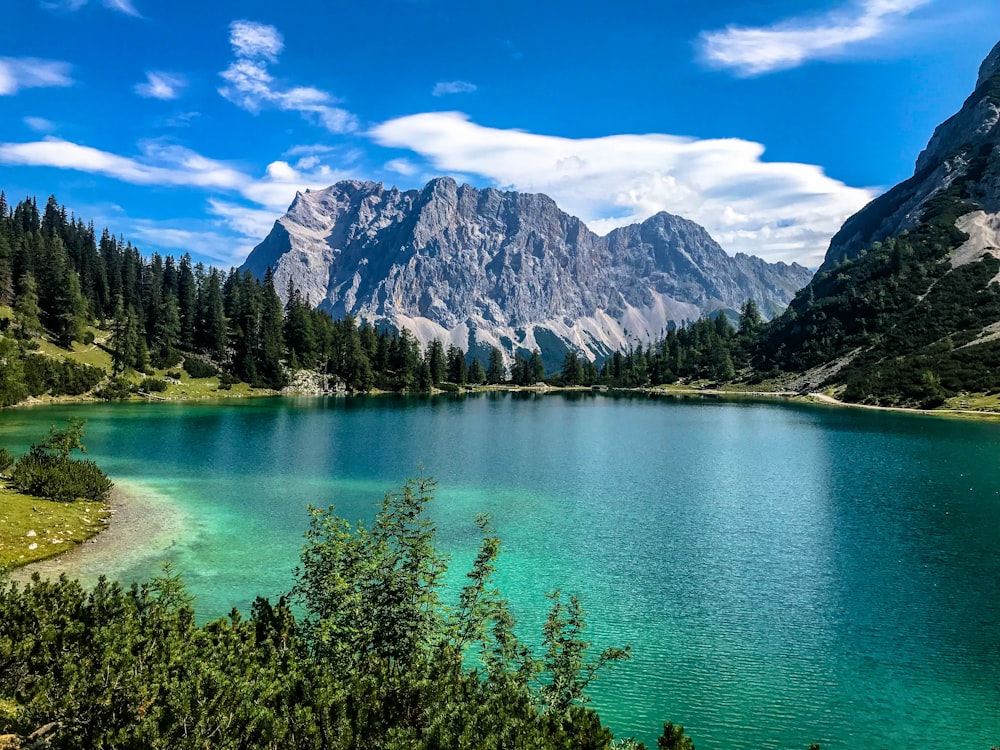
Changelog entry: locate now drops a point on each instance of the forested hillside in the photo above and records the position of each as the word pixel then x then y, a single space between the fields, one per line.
pixel 59 280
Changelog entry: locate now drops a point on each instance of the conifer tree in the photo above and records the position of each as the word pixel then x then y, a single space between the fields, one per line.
pixel 496 372
pixel 26 308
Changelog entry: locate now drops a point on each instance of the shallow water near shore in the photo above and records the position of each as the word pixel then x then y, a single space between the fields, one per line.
pixel 785 573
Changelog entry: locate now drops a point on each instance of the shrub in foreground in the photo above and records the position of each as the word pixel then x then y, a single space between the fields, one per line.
pixel 48 471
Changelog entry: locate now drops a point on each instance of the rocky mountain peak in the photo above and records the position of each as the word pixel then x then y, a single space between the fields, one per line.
pixel 989 67
pixel 481 268
pixel 962 151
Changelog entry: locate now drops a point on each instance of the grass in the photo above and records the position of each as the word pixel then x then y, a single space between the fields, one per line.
pixel 86 354
pixel 57 527
pixel 974 402
pixel 188 388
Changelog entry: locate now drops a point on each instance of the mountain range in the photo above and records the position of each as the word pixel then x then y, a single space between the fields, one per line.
pixel 483 268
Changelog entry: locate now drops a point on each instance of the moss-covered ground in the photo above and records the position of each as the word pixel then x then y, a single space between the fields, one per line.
pixel 32 529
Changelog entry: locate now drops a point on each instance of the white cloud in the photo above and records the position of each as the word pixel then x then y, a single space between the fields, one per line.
pixel 787 44
pixel 443 88
pixel 164 164
pixel 255 40
pixel 250 85
pixel 40 124
pixel 161 85
pixel 246 221
pixel 218 246
pixel 401 166
pixel 779 211
pixel 18 73
pixel 122 6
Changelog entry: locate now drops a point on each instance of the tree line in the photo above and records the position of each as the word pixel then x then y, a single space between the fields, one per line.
pixel 59 277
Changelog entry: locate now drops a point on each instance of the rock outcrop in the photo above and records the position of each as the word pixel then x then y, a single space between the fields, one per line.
pixel 481 268
pixel 962 148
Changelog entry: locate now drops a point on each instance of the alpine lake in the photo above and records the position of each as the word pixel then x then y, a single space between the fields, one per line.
pixel 785 573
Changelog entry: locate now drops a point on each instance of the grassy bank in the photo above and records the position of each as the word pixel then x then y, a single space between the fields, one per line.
pixel 32 529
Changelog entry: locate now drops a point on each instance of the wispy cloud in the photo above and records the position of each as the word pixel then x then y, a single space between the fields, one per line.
pixel 182 119
pixel 250 85
pixel 787 44
pixel 161 85
pixel 779 211
pixel 40 124
pixel 18 73
pixel 404 167
pixel 122 6
pixel 443 88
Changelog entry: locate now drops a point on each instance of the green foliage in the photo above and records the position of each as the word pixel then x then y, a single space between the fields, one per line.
pixel 153 385
pixel 199 368
pixel 115 389
pixel 115 667
pixel 6 460
pixel 899 314
pixel 47 471
pixel 673 738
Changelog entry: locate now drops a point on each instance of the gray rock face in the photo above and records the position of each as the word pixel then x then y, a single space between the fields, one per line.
pixel 962 148
pixel 482 268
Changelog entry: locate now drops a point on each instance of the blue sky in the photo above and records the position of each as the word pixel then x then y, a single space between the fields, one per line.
pixel 189 126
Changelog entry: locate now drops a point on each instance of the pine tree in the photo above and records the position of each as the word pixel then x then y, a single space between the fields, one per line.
pixel 477 375
pixel 457 371
pixel 436 362
pixel 26 309
pixel 572 371
pixel 187 302
pixel 496 372
pixel 536 369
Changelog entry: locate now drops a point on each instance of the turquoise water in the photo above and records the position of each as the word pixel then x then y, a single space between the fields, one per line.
pixel 786 574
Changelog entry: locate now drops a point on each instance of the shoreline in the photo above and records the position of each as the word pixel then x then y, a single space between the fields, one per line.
pixel 141 524
pixel 797 396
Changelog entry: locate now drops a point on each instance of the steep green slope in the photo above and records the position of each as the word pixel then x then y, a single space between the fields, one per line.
pixel 893 316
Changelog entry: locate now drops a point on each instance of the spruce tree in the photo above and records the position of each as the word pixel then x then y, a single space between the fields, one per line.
pixel 26 309
pixel 496 372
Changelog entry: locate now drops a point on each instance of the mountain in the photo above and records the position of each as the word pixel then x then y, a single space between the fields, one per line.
pixel 906 306
pixel 481 268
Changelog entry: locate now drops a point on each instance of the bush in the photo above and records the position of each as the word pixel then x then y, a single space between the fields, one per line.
pixel 225 379
pixel 174 374
pixel 58 478
pixel 199 368
pixel 47 470
pixel 116 389
pixel 6 460
pixel 153 385
pixel 88 338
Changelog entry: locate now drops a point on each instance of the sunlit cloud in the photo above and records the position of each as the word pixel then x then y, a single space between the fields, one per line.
pixel 776 210
pixel 161 85
pixel 18 73
pixel 751 51
pixel 250 85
